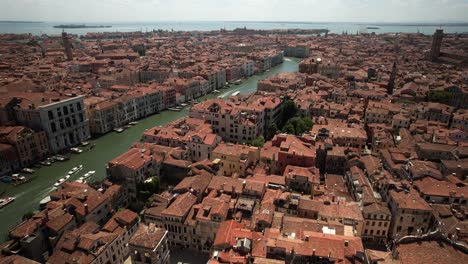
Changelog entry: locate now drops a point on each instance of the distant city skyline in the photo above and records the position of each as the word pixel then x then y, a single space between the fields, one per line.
pixel 365 11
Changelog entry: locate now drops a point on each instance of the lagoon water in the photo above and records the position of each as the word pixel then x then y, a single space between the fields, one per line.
pixel 334 27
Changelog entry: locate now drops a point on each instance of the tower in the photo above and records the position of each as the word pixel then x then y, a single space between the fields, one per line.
pixel 436 44
pixel 391 81
pixel 67 46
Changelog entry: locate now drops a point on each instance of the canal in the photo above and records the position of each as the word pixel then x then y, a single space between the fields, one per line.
pixel 107 147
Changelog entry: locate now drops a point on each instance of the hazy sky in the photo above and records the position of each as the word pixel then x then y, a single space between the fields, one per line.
pixel 235 10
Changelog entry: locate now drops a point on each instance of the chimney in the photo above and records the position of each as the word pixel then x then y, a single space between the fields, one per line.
pixel 346 242
pixel 86 209
pixel 307 238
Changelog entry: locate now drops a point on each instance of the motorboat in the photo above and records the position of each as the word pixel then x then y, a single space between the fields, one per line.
pixel 84 143
pixel 45 163
pixel 88 174
pixel 75 170
pixel 119 129
pixel 59 182
pixel 76 150
pixel 27 170
pixel 235 93
pixel 6 201
pixel 60 158
pixel 133 123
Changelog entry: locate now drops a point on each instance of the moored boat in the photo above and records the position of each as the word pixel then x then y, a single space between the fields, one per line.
pixel 28 170
pixel 6 201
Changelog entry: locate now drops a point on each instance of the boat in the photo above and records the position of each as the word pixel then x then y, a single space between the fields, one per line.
pixel 67 176
pixel 174 109
pixel 75 170
pixel 27 170
pixel 76 150
pixel 6 201
pixel 237 82
pixel 84 143
pixel 128 126
pixel 45 163
pixel 372 27
pixel 235 93
pixel 61 158
pixel 6 179
pixel 59 182
pixel 43 203
pixel 133 123
pixel 216 91
pixel 183 105
pixel 119 129
pixel 88 174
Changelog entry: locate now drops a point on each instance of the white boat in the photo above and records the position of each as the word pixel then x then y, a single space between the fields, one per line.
pixel 88 174
pixel 6 201
pixel 59 182
pixel 75 169
pixel 45 163
pixel 76 150
pixel 60 158
pixel 67 177
pixel 133 123
pixel 183 105
pixel 28 170
pixel 84 143
pixel 174 109
pixel 119 130
pixel 235 93
pixel 237 82
pixel 216 91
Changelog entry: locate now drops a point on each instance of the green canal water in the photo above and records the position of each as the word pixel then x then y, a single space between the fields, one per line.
pixel 107 147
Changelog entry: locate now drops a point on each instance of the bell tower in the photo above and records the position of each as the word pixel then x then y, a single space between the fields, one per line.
pixel 436 44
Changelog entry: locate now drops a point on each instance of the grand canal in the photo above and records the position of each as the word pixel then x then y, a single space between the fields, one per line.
pixel 107 147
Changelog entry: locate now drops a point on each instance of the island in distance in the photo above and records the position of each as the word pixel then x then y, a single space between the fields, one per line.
pixel 79 26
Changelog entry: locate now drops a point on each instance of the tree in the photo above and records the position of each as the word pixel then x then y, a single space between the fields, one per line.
pixel 289 129
pixel 288 111
pixel 141 49
pixel 442 97
pixel 271 132
pixel 147 188
pixel 28 215
pixel 258 142
pixel 297 126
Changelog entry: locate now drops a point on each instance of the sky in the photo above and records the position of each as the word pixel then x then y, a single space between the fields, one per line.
pixel 235 10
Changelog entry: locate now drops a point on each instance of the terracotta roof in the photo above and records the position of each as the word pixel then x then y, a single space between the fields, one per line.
pixel 147 236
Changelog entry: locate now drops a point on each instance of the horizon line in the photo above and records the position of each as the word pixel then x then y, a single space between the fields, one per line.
pixel 245 21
